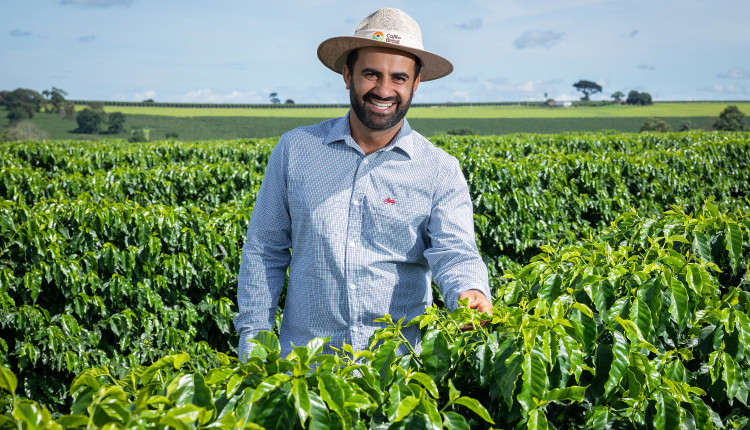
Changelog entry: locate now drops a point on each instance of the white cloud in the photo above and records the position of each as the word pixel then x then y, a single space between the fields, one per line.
pixel 208 96
pixel 725 89
pixel 472 24
pixel 19 33
pixel 150 94
pixel 735 73
pixel 461 95
pixel 534 38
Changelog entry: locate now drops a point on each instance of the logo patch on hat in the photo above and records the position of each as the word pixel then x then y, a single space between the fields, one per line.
pixel 378 35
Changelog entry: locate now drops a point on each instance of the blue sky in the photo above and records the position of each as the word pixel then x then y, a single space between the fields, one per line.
pixel 505 50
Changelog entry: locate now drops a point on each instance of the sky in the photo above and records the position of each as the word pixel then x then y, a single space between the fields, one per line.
pixel 232 51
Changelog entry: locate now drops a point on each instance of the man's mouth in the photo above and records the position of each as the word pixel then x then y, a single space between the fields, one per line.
pixel 381 105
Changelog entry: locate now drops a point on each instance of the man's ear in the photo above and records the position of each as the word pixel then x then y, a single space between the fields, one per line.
pixel 347 76
pixel 416 84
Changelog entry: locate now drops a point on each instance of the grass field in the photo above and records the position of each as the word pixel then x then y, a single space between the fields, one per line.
pixel 216 123
pixel 667 109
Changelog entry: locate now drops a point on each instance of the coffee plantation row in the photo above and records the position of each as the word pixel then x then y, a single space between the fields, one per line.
pixel 619 268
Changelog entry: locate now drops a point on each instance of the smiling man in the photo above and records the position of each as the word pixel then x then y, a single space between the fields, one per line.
pixel 362 211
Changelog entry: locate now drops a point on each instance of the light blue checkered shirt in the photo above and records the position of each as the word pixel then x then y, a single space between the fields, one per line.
pixel 366 233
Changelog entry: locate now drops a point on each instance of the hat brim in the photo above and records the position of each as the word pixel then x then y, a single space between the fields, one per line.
pixel 332 53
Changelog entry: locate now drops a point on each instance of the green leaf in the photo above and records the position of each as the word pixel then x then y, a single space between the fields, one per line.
pixel 301 398
pixel 428 407
pixel 734 244
pixel 506 373
pixel 109 413
pixel 537 420
pixel 405 406
pixel 8 380
pixel 426 382
pixel 534 379
pixel 700 242
pixel 601 418
pixel 435 355
pixel 620 354
pixel 732 376
pixel 678 306
pixel 192 389
pixel 319 418
pixel 269 384
pixel 551 288
pixel 667 413
pixel 454 421
pixel 384 357
pixel 476 407
pixel 640 314
pixel 332 393
pixel 572 394
pixel 267 340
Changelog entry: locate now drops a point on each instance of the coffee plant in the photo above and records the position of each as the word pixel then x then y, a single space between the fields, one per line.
pixel 619 269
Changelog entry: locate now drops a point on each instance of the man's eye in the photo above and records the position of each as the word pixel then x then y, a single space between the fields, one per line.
pixel 371 76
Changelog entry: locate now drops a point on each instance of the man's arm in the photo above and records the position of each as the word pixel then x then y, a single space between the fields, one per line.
pixel 265 253
pixel 453 256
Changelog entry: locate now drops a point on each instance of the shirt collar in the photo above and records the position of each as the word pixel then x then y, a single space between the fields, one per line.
pixel 404 139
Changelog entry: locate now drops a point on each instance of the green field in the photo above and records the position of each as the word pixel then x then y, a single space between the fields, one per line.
pixel 671 109
pixel 191 124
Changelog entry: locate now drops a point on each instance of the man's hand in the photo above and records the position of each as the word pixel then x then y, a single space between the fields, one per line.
pixel 477 300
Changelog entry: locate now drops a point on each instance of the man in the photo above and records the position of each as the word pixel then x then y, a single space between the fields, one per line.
pixel 362 210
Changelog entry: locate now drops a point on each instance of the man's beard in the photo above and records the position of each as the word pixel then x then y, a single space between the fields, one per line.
pixel 373 120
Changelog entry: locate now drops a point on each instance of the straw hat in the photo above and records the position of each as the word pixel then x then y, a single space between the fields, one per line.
pixel 389 28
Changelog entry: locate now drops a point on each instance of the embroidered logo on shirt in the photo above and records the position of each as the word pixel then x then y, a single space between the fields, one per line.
pixel 389 201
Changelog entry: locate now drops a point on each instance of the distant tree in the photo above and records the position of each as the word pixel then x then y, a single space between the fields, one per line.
pixel 655 124
pixel 171 135
pixel 88 121
pixel 687 126
pixel 636 98
pixel 138 136
pixel 731 119
pixel 97 107
pixel 55 97
pixel 587 88
pixel 24 130
pixel 17 114
pixel 617 96
pixel 116 121
pixel 289 102
pixel 23 99
pixel 148 101
pixel 274 97
pixel 68 110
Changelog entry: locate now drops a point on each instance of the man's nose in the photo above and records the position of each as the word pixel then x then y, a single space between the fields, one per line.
pixel 384 89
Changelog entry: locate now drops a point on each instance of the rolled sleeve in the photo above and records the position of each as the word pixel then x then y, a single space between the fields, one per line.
pixel 453 255
pixel 265 253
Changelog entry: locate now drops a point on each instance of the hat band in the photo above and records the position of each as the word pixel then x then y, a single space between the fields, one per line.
pixel 391 36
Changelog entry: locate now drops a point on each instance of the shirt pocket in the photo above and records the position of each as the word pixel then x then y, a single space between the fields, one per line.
pixel 396 227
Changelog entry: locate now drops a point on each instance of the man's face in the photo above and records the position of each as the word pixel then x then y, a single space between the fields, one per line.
pixel 381 86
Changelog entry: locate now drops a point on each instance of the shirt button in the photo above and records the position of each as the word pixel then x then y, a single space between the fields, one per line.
pixel 352 286
pixel 356 203
pixel 366 161
pixel 351 244
pixel 355 329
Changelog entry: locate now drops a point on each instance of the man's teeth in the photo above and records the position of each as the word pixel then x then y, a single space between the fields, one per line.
pixel 382 105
